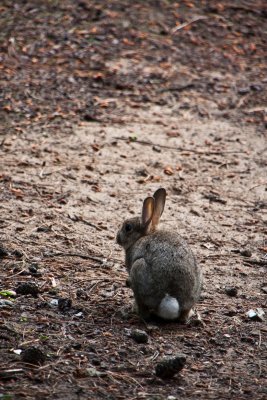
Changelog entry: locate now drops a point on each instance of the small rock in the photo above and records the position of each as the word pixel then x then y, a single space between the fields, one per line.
pixel 79 314
pixel 44 229
pixel 94 372
pixel 142 172
pixel 256 87
pixel 54 302
pixel 139 336
pixel 27 288
pixel 168 367
pixel 243 90
pixel 95 361
pixel 64 304
pixel 34 270
pixel 256 315
pixel 77 346
pixel 17 253
pixel 82 294
pixel 230 313
pixel 6 303
pixel 33 355
pixel 3 252
pixel 195 212
pixel 264 289
pixel 157 149
pixel 231 291
pixel 246 253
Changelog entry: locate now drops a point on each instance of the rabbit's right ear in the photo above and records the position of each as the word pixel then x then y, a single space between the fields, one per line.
pixel 147 213
pixel 159 197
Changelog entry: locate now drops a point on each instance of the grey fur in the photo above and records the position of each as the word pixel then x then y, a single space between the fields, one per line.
pixel 159 262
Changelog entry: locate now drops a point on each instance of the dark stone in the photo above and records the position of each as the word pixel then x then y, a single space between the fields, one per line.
pixel 231 291
pixel 3 252
pixel 246 253
pixel 27 288
pixel 256 87
pixel 168 367
pixel 33 269
pixel 82 294
pixel 64 304
pixel 17 253
pixel 44 229
pixel 157 149
pixel 243 90
pixel 139 336
pixel 33 355
pixel 77 346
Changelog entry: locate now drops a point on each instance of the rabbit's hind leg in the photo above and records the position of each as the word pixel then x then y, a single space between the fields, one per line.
pixel 185 315
pixel 141 284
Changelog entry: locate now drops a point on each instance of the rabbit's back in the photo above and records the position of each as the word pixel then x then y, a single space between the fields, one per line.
pixel 170 265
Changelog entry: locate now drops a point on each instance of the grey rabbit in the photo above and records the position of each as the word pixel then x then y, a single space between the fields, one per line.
pixel 163 272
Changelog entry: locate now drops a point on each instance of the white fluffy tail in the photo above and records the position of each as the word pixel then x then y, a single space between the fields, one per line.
pixel 168 308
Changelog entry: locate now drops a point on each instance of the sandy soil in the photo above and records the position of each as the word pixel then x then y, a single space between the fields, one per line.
pixel 66 184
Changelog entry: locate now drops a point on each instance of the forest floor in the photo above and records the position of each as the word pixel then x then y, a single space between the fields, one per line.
pixel 100 105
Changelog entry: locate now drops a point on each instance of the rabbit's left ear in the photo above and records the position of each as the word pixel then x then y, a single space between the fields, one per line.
pixel 147 213
pixel 159 197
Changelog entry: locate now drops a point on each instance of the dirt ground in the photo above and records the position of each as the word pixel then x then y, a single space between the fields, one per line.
pixel 101 104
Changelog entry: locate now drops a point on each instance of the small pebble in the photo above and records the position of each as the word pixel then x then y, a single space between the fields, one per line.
pixel 82 294
pixel 256 315
pixel 33 355
pixel 256 87
pixel 34 270
pixel 139 336
pixel 64 304
pixel 243 90
pixel 27 288
pixel 44 229
pixel 77 346
pixel 54 302
pixel 246 253
pixel 230 312
pixel 168 367
pixel 3 252
pixel 157 149
pixel 231 291
pixel 17 253
pixel 6 303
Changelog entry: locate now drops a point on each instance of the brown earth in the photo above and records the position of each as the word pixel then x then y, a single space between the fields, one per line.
pixel 101 104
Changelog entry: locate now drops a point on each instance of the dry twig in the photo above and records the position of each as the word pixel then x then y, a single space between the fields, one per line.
pixel 179 27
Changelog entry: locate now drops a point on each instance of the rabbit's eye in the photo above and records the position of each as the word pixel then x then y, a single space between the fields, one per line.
pixel 128 227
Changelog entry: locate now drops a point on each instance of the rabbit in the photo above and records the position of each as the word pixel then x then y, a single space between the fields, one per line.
pixel 163 273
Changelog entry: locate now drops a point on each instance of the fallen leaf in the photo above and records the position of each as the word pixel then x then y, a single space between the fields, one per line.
pixel 168 170
pixel 17 192
pixel 95 147
pixel 173 134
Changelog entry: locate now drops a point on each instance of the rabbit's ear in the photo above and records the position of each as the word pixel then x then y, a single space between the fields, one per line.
pixel 147 212
pixel 160 197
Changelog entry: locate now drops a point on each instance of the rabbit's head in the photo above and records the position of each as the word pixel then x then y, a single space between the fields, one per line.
pixel 134 228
